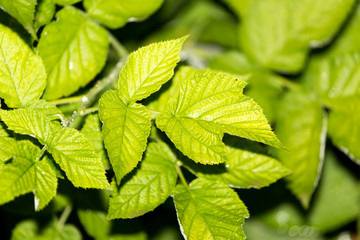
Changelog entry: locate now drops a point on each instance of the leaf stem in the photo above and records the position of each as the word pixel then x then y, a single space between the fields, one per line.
pixel 90 110
pixel 43 150
pixel 64 216
pixel 66 100
pixel 181 175
pixel 287 83
pixel 118 47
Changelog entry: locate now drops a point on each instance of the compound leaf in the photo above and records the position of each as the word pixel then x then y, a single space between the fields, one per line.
pixel 148 69
pixel 150 186
pixel 74 50
pixel 280 41
pixel 301 127
pixel 70 149
pixel 344 128
pixel 209 210
pixel 209 104
pixel 115 13
pixel 26 173
pixel 126 129
pixel 23 11
pixel 22 72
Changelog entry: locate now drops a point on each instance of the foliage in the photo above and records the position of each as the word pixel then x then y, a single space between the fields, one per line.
pixel 105 136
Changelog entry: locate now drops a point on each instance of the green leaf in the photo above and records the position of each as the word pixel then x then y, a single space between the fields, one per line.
pixel 45 12
pixel 22 73
pixel 74 50
pixel 23 11
pixel 335 77
pixel 280 40
pixel 239 7
pixel 44 108
pixel 263 86
pixel 25 230
pixel 95 223
pixel 92 131
pixel 26 173
pixel 344 128
pixel 209 210
pixel 70 149
pixel 339 185
pixel 209 104
pixel 181 75
pixel 245 169
pixel 135 236
pixel 301 127
pixel 6 148
pixel 149 187
pixel 66 2
pixel 115 13
pixel 148 69
pixel 126 129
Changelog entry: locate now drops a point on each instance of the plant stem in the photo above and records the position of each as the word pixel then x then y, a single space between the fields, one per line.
pixel 64 216
pixel 118 47
pixel 181 175
pixel 43 150
pixel 89 111
pixel 66 100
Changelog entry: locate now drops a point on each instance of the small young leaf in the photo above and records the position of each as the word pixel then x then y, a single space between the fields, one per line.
pixel 343 128
pixel 45 12
pixel 148 69
pixel 22 73
pixel 74 50
pixel 280 41
pixel 301 127
pixel 70 149
pixel 126 129
pixel 23 11
pixel 25 174
pixel 209 210
pixel 209 104
pixel 92 131
pixel 245 169
pixel 95 223
pixel 151 185
pixel 25 230
pixel 115 13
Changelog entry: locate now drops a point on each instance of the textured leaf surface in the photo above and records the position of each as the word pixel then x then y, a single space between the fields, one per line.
pixel 344 129
pixel 206 106
pixel 209 210
pixel 44 108
pixel 126 129
pixel 74 50
pixel 151 185
pixel 335 77
pixel 92 131
pixel 26 173
pixel 301 127
pixel 245 169
pixel 339 185
pixel 21 10
pixel 6 148
pixel 148 69
pixel 70 149
pixel 22 72
pixel 280 41
pixel 95 223
pixel 115 13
